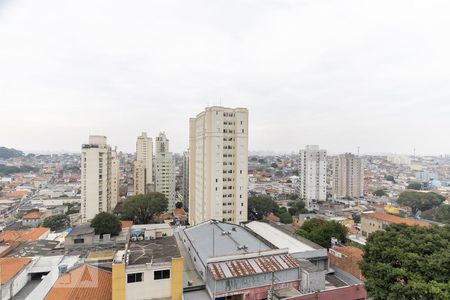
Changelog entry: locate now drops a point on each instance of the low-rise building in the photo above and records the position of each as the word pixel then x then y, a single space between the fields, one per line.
pixel 378 221
pixel 347 258
pixel 33 219
pixel 13 275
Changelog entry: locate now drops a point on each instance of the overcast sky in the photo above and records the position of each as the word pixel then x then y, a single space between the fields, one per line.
pixel 342 74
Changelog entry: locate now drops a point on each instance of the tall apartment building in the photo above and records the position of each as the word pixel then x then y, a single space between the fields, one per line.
pixel 165 170
pixel 185 184
pixel 218 165
pixel 348 176
pixel 144 159
pixel 115 177
pixel 99 176
pixel 313 175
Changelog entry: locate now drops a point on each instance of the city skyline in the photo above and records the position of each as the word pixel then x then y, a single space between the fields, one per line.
pixel 340 75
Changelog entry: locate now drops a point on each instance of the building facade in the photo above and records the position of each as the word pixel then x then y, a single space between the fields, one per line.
pixel 313 175
pixel 165 170
pixel 96 177
pixel 144 159
pixel 218 165
pixel 115 179
pixel 348 176
pixel 185 183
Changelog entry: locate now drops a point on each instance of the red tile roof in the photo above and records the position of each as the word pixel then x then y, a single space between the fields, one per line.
pixel 395 219
pixel 126 224
pixel 34 215
pixel 84 282
pixel 10 266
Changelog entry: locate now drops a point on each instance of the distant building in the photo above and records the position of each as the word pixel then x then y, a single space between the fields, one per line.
pixel 425 176
pixel 185 184
pixel 115 179
pixel 33 219
pixel 165 170
pixel 379 221
pixel 97 188
pixel 347 258
pixel 313 175
pixel 348 176
pixel 143 165
pixel 399 159
pixel 218 165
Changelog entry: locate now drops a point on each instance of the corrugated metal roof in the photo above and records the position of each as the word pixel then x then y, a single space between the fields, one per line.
pixel 252 266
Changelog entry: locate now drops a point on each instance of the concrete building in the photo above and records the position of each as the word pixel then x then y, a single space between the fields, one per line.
pixel 115 179
pixel 139 175
pixel 185 183
pixel 97 177
pixel 151 268
pixel 165 170
pixel 144 160
pixel 378 221
pixel 218 165
pixel 313 175
pixel 14 275
pixel 348 176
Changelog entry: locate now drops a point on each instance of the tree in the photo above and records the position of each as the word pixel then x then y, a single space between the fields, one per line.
pixel 254 159
pixel 389 178
pixel 179 204
pixel 105 223
pixel 408 262
pixel 285 218
pixel 142 208
pixel 414 186
pixel 379 193
pixel 438 214
pixel 274 165
pixel 356 218
pixel 321 231
pixel 9 152
pixel 259 206
pixel 297 207
pixel 419 200
pixel 56 222
pixel 262 161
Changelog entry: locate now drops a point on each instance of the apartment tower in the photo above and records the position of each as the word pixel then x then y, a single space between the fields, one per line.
pixel 348 176
pixel 143 165
pixel 218 165
pixel 165 170
pixel 185 180
pixel 313 175
pixel 98 167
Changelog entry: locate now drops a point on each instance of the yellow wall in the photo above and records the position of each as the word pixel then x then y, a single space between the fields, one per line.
pixel 391 209
pixel 177 278
pixel 118 281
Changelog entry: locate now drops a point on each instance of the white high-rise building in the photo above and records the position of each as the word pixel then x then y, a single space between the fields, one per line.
pixel 218 165
pixel 185 184
pixel 313 175
pixel 144 158
pixel 165 170
pixel 348 176
pixel 99 177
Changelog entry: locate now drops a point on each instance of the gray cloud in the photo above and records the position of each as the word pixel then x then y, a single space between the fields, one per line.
pixel 340 74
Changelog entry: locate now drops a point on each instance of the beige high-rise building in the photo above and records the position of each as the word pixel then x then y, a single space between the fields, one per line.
pixel 348 176
pixel 218 165
pixel 143 165
pixel 313 175
pixel 97 182
pixel 165 170
pixel 185 183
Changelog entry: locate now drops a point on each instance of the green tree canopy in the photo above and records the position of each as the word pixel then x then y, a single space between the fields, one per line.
pixel 57 222
pixel 274 165
pixel 179 204
pixel 419 200
pixel 379 193
pixel 297 207
pixel 106 223
pixel 321 231
pixel 285 218
pixel 414 186
pixel 408 262
pixel 9 152
pixel 259 206
pixel 389 178
pixel 438 214
pixel 142 208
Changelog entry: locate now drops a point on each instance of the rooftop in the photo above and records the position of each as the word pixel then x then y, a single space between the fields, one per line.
pixel 395 219
pixel 252 266
pixel 279 238
pixel 10 266
pixel 83 282
pixel 213 239
pixel 82 229
pixel 158 251
pixel 34 215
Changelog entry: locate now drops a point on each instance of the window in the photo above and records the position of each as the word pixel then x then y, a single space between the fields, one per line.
pixel 163 274
pixel 134 277
pixel 78 241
